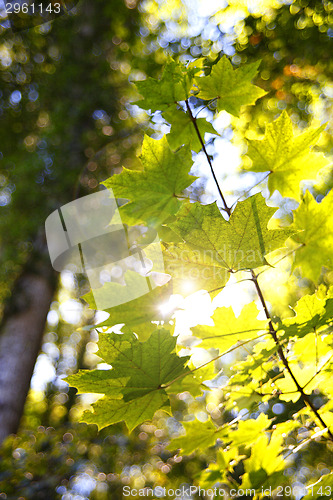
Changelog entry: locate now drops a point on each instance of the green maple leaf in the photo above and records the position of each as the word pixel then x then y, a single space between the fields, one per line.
pixel 249 430
pixel 265 462
pixel 194 382
pixel 133 388
pixel 183 131
pixel 202 435
pixel 193 269
pixel 312 314
pixel 216 247
pixel 232 87
pixel 218 472
pixel 199 436
pixel 303 375
pixel 174 86
pixel 108 411
pixel 287 157
pixel 137 313
pixel 148 365
pixel 312 350
pixel 309 308
pixel 315 220
pixel 152 193
pixel 228 329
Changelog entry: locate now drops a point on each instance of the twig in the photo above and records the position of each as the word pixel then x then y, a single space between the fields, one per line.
pixel 194 121
pixel 250 189
pixel 237 346
pixel 284 360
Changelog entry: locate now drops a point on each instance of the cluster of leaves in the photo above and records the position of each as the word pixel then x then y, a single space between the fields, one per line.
pixel 202 244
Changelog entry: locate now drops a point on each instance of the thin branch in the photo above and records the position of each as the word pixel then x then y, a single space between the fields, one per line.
pixel 318 371
pixel 294 450
pixel 261 272
pixel 250 189
pixel 228 285
pixel 164 386
pixel 284 360
pixel 206 106
pixel 281 258
pixel 194 121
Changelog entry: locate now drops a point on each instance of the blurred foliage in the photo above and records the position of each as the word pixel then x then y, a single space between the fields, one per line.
pixel 74 460
pixel 65 115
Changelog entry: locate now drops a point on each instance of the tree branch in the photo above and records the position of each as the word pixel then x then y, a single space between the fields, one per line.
pixel 194 121
pixel 284 360
pixel 164 386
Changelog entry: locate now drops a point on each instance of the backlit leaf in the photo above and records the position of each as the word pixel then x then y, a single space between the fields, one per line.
pixel 174 86
pixel 315 221
pixel 288 158
pixel 264 463
pixel 183 131
pixel 232 87
pixel 215 247
pixel 152 192
pixel 199 436
pixel 133 387
pixel 136 313
pixel 228 329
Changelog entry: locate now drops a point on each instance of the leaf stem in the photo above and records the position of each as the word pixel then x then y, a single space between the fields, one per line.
pixel 164 386
pixel 281 258
pixel 284 360
pixel 194 121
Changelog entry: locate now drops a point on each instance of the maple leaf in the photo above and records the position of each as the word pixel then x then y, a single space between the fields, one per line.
pixel 219 470
pixel 133 388
pixel 152 193
pixel 312 351
pixel 137 313
pixel 194 382
pixel 249 430
pixel 315 223
pixel 232 87
pixel 287 157
pixel 265 462
pixel 174 86
pixel 199 436
pixel 183 131
pixel 202 435
pixel 312 314
pixel 309 313
pixel 287 386
pixel 108 411
pixel 216 246
pixel 228 329
pixel 193 269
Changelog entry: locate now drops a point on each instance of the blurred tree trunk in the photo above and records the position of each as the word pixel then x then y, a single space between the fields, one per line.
pixel 21 332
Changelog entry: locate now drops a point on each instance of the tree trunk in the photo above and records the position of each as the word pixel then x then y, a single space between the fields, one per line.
pixel 21 332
